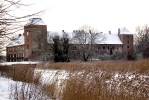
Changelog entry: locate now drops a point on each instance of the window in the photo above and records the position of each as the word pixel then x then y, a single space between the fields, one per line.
pixel 12 49
pixel 20 55
pixel 108 47
pixel 74 48
pixel 27 33
pixel 128 47
pixel 103 47
pixel 22 48
pixel 27 46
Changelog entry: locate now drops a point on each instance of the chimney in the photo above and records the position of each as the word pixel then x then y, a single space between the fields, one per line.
pixel 119 31
pixel 90 31
pixel 110 32
pixel 20 35
pixel 63 31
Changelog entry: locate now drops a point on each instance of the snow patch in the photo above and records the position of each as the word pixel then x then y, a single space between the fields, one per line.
pixel 17 40
pixel 23 62
pixel 51 76
pixel 110 39
pixel 4 88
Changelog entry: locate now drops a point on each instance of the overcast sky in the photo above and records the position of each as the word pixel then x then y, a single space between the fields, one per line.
pixel 104 15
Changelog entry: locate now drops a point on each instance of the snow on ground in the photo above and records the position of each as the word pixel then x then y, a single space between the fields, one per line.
pixel 4 88
pixel 51 76
pixel 11 90
pixel 23 62
pixel 129 83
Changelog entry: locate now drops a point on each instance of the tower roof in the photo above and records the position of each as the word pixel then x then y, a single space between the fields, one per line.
pixel 124 30
pixel 35 21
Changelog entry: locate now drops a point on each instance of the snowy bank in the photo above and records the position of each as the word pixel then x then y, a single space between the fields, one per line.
pixel 14 90
pixel 51 76
pixel 4 88
pixel 14 63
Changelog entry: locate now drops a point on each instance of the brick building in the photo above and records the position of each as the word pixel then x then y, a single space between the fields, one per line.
pixel 31 45
pixel 35 43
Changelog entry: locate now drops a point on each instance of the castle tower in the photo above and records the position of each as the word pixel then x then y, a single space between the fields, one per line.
pixel 35 35
pixel 127 38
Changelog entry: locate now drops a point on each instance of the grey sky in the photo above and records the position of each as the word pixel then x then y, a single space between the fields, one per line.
pixel 104 15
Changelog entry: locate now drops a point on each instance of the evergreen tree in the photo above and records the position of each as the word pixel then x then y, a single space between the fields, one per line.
pixel 60 49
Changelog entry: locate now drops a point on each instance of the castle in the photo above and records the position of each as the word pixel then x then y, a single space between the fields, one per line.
pixel 35 44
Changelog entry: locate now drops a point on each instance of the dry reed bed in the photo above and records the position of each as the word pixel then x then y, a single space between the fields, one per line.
pixel 140 66
pixel 107 80
pixel 100 85
pixel 104 80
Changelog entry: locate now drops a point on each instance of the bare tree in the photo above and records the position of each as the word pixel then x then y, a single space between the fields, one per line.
pixel 142 40
pixel 87 36
pixel 9 22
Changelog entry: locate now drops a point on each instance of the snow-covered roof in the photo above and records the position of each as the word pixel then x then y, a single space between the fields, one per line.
pixel 74 41
pixel 16 41
pixel 102 39
pixel 124 30
pixel 110 39
pixel 35 21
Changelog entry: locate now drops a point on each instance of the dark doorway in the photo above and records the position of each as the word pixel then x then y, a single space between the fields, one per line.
pixel 111 51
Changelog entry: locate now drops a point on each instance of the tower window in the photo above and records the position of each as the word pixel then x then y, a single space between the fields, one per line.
pixel 27 46
pixel 27 33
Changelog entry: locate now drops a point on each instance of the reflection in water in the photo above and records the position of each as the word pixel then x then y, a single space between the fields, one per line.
pixel 27 91
pixel 17 83
pixel 15 90
pixel 4 88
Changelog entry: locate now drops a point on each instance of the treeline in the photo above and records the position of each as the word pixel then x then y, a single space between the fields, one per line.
pixel 142 41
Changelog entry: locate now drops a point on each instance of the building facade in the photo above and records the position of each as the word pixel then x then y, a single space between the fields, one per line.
pixel 36 44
